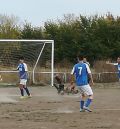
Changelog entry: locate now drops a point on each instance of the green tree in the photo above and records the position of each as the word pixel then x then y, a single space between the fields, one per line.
pixel 9 28
pixel 31 32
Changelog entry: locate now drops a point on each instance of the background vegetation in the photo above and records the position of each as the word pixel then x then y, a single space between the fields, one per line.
pixel 98 37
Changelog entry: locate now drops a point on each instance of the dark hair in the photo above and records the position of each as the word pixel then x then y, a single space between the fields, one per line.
pixel 80 57
pixel 21 58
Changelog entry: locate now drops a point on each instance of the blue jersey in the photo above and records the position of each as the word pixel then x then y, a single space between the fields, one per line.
pixel 81 71
pixel 22 67
pixel 118 68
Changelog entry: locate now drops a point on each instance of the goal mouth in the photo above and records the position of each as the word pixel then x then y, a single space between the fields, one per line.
pixel 38 55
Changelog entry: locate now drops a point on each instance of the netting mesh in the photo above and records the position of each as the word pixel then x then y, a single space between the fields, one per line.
pixel 9 59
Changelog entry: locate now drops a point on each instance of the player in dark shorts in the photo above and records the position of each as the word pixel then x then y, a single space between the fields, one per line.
pixel 62 89
pixel 59 86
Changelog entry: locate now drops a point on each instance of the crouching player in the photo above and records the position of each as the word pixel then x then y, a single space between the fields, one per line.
pixel 22 68
pixel 71 89
pixel 59 86
pixel 81 71
pixel 62 89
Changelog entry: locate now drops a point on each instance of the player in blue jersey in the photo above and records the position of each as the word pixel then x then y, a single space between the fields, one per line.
pixel 23 75
pixel 117 65
pixel 81 71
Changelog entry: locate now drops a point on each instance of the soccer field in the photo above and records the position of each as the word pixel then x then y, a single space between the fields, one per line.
pixel 48 110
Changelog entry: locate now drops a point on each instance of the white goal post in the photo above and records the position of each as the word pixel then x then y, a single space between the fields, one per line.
pixel 12 47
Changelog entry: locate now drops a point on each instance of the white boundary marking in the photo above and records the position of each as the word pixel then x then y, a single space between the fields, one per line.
pixel 107 109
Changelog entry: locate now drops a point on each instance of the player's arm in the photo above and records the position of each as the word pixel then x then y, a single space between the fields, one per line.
pixel 108 62
pixel 91 79
pixel 25 67
pixel 72 76
pixel 16 69
pixel 90 74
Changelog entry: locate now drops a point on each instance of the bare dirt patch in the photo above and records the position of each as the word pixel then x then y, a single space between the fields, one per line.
pixel 48 110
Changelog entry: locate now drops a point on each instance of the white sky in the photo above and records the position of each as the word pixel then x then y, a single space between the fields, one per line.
pixel 38 11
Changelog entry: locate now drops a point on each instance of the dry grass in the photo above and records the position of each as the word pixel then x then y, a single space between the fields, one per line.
pixel 101 66
pixel 101 73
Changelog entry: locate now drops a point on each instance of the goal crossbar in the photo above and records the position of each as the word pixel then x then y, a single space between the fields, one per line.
pixel 26 40
pixel 40 42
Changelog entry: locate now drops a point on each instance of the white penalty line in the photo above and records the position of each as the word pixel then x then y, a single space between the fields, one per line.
pixel 107 109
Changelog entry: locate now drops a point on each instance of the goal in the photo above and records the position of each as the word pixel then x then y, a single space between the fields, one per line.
pixel 38 54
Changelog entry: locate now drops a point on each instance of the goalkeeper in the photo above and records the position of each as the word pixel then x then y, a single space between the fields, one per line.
pixel 59 86
pixel 22 68
pixel 62 89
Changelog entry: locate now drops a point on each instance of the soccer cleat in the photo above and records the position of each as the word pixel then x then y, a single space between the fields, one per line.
pixel 82 110
pixel 87 109
pixel 22 97
pixel 29 96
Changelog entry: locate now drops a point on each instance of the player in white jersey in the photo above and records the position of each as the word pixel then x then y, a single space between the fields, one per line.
pixel 23 75
pixel 81 71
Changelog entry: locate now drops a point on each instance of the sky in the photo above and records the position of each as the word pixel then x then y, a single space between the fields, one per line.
pixel 37 12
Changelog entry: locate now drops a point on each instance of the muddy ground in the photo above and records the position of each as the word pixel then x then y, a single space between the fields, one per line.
pixel 48 110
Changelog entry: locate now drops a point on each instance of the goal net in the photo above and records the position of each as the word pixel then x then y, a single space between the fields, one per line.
pixel 39 57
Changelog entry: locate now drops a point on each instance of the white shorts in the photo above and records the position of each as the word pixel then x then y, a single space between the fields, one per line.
pixel 23 82
pixel 86 89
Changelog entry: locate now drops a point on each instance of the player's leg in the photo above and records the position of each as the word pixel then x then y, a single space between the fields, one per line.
pixel 87 104
pixel 89 100
pixel 61 87
pixel 74 90
pixel 88 91
pixel 21 89
pixel 25 87
pixel 56 86
pixel 82 101
pixel 82 98
pixel 27 91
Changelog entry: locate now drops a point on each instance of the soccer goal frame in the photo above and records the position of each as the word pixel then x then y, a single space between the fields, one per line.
pixel 41 42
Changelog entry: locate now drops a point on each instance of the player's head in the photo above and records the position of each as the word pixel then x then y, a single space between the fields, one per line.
pixel 58 78
pixel 21 59
pixel 84 59
pixel 80 57
pixel 118 60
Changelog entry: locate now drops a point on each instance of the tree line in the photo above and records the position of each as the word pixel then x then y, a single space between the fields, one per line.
pixel 97 37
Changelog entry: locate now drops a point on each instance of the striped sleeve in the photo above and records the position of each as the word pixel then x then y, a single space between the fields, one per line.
pixel 88 68
pixel 25 66
pixel 73 70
